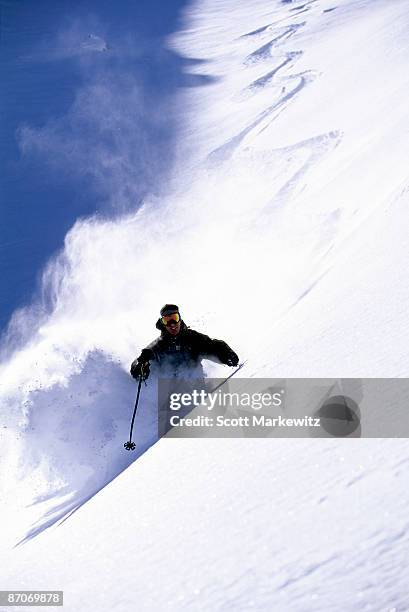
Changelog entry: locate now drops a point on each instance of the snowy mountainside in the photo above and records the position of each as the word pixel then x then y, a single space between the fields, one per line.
pixel 285 229
pixel 235 525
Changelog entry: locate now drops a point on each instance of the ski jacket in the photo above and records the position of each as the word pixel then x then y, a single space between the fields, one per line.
pixel 184 352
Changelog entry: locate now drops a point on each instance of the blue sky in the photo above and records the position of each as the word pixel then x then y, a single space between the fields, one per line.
pixel 65 69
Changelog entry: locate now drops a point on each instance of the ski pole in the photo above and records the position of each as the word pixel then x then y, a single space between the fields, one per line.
pixel 228 377
pixel 131 445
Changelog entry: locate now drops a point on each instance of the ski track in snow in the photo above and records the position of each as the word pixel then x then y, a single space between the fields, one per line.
pixel 264 54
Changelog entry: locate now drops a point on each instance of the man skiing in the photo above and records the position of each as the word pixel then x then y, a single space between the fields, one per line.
pixel 179 350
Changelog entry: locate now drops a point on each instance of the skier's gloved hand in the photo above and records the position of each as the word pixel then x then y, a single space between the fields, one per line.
pixel 232 359
pixel 140 369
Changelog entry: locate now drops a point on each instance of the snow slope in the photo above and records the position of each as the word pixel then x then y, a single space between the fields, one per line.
pixel 235 525
pixel 286 221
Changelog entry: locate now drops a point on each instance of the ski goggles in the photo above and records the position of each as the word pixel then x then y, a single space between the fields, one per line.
pixel 175 317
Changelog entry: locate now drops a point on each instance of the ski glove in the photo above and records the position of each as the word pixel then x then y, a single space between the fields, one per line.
pixel 140 369
pixel 232 359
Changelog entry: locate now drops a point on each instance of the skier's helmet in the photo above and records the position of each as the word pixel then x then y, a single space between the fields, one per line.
pixel 168 309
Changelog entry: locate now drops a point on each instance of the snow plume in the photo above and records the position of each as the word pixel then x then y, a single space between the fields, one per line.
pixel 106 138
pixel 118 134
pixel 284 151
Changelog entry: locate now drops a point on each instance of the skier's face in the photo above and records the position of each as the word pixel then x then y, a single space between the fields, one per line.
pixel 172 323
pixel 173 327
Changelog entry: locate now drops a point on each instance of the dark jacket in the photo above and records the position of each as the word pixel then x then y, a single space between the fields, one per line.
pixel 176 355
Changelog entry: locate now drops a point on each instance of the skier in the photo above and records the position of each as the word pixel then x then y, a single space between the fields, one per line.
pixel 179 350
